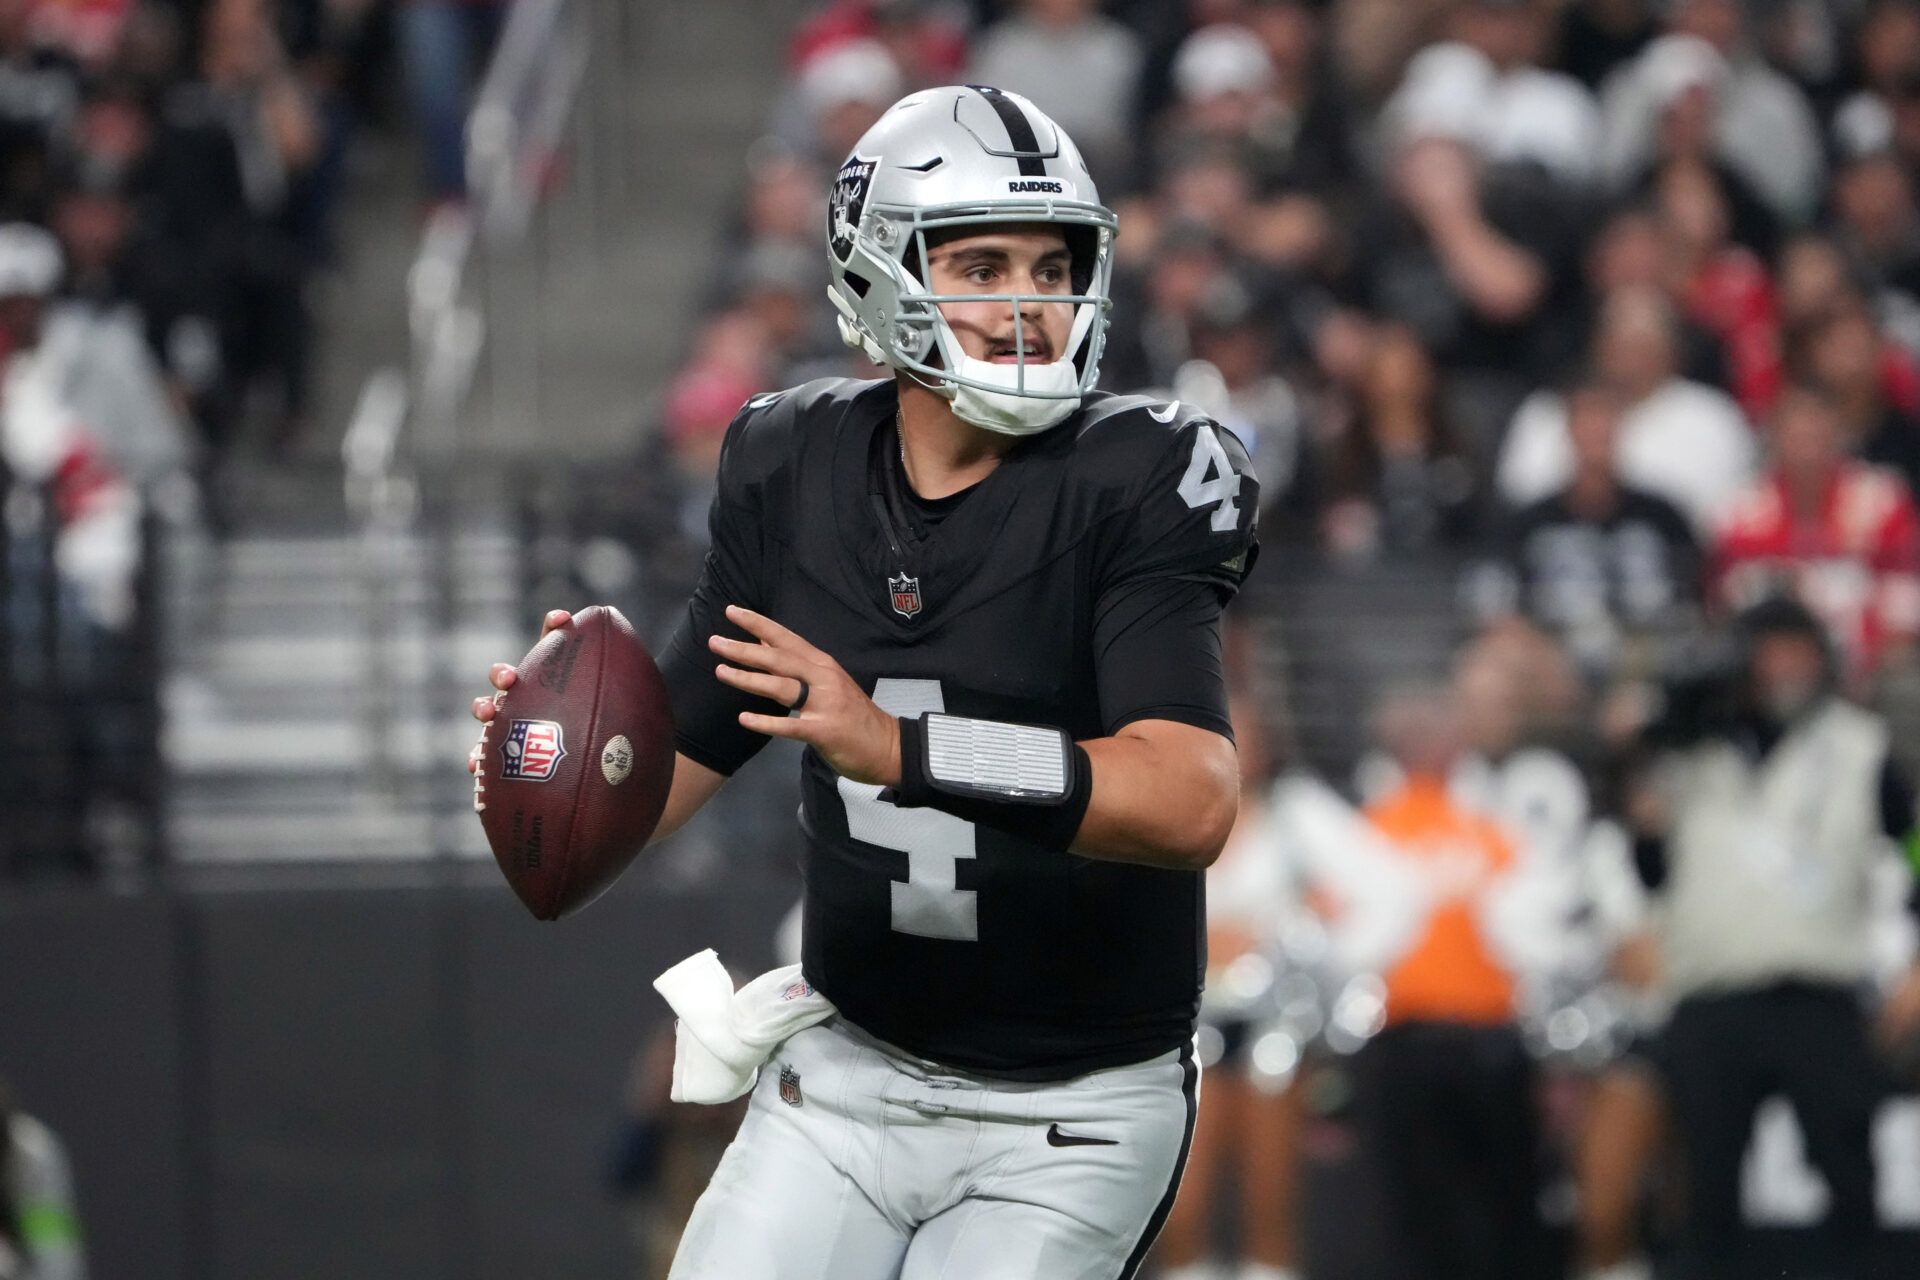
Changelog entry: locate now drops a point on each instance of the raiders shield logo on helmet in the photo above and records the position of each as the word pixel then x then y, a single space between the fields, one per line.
pixel 847 203
pixel 906 595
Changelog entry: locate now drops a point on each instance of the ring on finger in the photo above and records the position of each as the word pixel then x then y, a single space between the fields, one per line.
pixel 793 708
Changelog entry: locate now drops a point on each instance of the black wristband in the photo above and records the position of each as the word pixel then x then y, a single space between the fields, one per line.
pixel 916 789
pixel 1052 825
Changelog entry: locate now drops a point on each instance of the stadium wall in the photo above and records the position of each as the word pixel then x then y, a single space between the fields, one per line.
pixel 413 1081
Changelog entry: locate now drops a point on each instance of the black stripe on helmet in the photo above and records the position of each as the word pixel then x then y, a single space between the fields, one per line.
pixel 1020 135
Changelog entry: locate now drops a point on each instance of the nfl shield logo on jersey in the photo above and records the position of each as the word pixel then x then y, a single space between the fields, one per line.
pixel 790 1086
pixel 532 751
pixel 906 595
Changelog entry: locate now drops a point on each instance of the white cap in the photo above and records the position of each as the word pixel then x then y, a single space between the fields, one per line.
pixel 852 71
pixel 1222 58
pixel 1862 127
pixel 1674 64
pixel 30 262
pixel 1447 92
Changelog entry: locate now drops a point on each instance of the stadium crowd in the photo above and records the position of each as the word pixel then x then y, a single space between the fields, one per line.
pixel 1577 346
pixel 169 175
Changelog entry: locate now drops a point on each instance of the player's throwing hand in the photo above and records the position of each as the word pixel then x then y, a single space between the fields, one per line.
pixel 827 710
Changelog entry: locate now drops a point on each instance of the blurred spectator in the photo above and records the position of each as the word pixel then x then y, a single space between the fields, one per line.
pixel 1321 160
pixel 77 645
pixel 1596 36
pixel 1679 440
pixel 1840 535
pixel 154 221
pixel 1844 357
pixel 1632 250
pixel 779 284
pixel 443 45
pixel 1719 284
pixel 1530 115
pixel 1601 564
pixel 1399 480
pixel 1886 45
pixel 927 39
pixel 1884 109
pixel 1157 303
pixel 39 1228
pixel 39 91
pixel 45 442
pixel 1233 377
pixel 1759 821
pixel 1076 65
pixel 836 96
pixel 1762 126
pixel 225 165
pixel 1622 1128
pixel 784 194
pixel 1874 218
pixel 1684 138
pixel 1474 258
pixel 1447 1086
pixel 1288 135
pixel 95 341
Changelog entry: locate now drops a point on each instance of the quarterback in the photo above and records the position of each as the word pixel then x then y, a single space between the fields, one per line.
pixel 987 598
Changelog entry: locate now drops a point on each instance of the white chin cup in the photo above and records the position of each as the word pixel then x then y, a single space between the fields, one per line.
pixel 1008 411
pixel 1051 389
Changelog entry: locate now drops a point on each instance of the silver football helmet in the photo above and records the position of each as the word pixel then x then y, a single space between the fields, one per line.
pixel 965 156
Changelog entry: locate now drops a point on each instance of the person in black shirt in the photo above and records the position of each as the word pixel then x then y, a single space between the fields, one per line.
pixel 1844 352
pixel 987 598
pixel 1601 564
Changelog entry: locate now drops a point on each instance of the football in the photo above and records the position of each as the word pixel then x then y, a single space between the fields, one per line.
pixel 574 769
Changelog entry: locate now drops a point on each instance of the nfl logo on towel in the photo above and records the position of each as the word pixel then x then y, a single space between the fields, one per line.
pixel 906 595
pixel 790 1086
pixel 532 751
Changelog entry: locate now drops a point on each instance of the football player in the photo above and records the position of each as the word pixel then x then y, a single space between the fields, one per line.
pixel 987 598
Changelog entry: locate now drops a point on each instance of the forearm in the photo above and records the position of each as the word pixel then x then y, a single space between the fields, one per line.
pixel 1159 799
pixel 1159 793
pixel 1501 281
pixel 693 785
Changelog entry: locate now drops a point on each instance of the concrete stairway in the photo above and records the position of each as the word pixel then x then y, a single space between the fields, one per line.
pixel 282 744
pixel 316 704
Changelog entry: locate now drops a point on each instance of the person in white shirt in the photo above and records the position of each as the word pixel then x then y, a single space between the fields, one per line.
pixel 1684 441
pixel 1076 64
pixel 1763 127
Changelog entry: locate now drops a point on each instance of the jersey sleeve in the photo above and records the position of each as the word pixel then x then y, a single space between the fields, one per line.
pixel 1193 509
pixel 706 712
pixel 1177 555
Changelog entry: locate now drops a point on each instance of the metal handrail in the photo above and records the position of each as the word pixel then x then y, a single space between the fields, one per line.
pixel 407 420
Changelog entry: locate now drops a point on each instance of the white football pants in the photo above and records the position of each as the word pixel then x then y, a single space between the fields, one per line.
pixel 857 1162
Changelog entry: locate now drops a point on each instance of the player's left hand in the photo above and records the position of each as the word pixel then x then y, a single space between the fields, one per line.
pixel 835 717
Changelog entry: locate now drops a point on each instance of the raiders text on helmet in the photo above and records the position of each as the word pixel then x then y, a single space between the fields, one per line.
pixel 966 156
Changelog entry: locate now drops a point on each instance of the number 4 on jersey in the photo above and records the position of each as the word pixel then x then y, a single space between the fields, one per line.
pixel 1210 480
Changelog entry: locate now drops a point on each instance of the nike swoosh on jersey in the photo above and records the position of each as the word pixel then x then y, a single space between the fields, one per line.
pixel 1165 414
pixel 1055 1138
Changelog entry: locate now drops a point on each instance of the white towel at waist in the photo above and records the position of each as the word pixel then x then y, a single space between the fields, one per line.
pixel 723 1036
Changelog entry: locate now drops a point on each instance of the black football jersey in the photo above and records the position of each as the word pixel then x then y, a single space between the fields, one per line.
pixel 1079 585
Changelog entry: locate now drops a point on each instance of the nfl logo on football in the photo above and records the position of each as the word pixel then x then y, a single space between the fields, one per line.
pixel 790 1086
pixel 906 595
pixel 532 750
